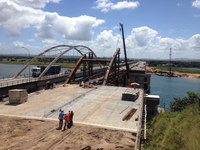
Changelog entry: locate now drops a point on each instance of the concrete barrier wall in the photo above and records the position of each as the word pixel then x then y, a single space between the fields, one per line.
pixel 17 96
pixel 31 86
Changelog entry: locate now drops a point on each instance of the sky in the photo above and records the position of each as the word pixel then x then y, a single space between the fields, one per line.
pixel 151 27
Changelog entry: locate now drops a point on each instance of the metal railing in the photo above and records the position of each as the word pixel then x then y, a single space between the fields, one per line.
pixel 6 82
pixel 138 136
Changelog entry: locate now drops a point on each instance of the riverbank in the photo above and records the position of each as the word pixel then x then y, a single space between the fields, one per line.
pixel 154 70
pixel 178 128
pixel 64 65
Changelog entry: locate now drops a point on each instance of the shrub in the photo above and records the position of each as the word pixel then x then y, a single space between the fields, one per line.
pixel 179 104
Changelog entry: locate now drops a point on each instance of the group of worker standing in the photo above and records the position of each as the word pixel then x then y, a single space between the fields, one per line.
pixel 68 119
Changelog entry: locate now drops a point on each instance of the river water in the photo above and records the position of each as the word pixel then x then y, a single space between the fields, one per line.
pixel 166 87
pixel 172 87
pixel 8 70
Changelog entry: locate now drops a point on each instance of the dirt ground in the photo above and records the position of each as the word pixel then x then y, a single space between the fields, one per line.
pixel 28 134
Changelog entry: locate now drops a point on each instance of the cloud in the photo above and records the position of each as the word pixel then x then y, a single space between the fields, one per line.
pixel 125 4
pixel 19 47
pixel 105 43
pixel 194 42
pixel 196 3
pixel 176 44
pixel 18 44
pixel 142 36
pixel 35 3
pixel 145 42
pixel 14 18
pixel 107 40
pixel 141 42
pixel 107 5
pixel 76 28
pixel 50 42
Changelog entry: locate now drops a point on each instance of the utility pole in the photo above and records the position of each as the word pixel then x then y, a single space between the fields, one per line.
pixel 124 44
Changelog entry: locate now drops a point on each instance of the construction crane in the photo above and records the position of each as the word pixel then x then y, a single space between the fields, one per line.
pixel 124 44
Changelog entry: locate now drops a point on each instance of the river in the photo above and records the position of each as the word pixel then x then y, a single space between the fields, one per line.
pixel 166 87
pixel 8 70
pixel 172 87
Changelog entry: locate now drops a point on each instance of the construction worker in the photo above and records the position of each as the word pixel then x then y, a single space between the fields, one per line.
pixel 67 123
pixel 60 117
pixel 71 118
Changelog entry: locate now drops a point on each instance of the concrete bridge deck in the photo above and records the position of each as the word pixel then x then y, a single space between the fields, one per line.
pixel 100 106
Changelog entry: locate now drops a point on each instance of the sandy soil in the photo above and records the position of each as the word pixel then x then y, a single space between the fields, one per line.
pixel 179 74
pixel 23 134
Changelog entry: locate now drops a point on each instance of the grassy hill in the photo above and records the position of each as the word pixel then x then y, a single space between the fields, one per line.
pixel 179 130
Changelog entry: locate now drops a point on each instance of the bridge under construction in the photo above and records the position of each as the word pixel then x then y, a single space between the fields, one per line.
pixel 111 71
pixel 117 101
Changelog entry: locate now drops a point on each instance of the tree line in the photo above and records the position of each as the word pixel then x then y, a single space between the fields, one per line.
pixel 181 64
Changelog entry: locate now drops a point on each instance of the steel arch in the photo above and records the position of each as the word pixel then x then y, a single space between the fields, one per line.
pixel 66 48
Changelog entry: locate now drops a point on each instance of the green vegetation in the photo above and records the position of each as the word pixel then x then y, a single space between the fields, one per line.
pixel 178 129
pixel 67 63
pixel 177 66
pixel 179 104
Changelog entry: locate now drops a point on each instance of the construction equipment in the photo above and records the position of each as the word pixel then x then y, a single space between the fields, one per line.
pixel 36 71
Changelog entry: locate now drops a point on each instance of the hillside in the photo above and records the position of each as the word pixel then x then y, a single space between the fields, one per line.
pixel 175 130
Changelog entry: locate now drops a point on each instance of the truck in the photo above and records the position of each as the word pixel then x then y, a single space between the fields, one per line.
pixel 54 69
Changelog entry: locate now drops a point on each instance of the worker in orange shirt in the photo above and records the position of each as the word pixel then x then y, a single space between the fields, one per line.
pixel 66 118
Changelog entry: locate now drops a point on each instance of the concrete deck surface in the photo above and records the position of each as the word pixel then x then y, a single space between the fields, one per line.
pixel 100 106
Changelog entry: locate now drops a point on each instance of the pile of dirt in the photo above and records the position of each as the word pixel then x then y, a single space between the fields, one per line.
pixel 22 134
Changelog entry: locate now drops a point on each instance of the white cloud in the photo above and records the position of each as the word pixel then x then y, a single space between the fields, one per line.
pixel 106 39
pixel 196 3
pixel 144 42
pixel 14 18
pixel 106 5
pixel 124 5
pixel 143 36
pixel 106 43
pixel 176 44
pixel 194 42
pixel 19 47
pixel 35 3
pixel 18 44
pixel 50 42
pixel 77 28
pixel 31 40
